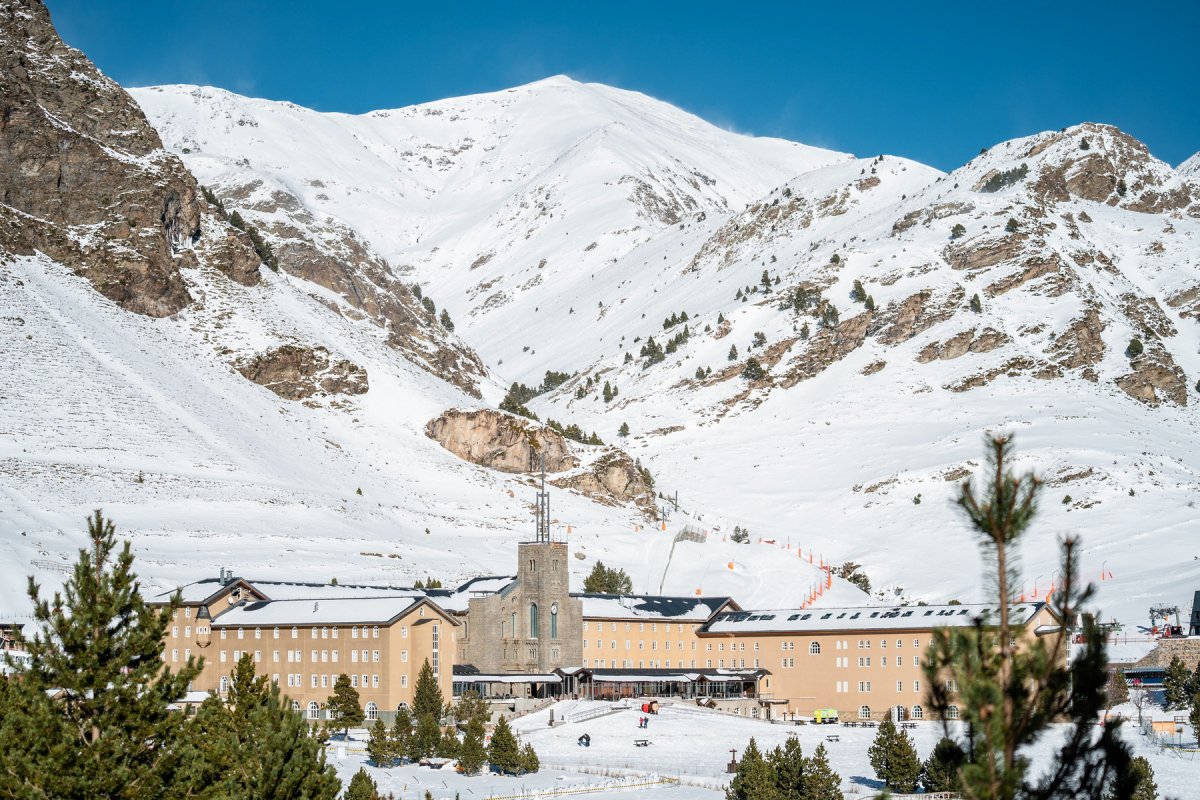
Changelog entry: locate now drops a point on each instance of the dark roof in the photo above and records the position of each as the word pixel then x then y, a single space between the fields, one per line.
pixel 649 605
pixel 660 672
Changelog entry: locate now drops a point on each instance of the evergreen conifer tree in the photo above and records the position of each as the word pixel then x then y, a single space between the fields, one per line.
pixel 754 779
pixel 1146 789
pixel 108 732
pixel 820 781
pixel 1175 684
pixel 623 430
pixel 787 766
pixel 380 748
pixel 753 370
pixel 1008 695
pixel 503 751
pixel 530 762
pixel 472 754
pixel 427 697
pixel 732 352
pixel 361 787
pixel 976 303
pixel 426 738
pixel 894 758
pixel 447 323
pixel 939 773
pixel 344 704
pixel 253 745
pixel 401 733
pixel 1117 690
pixel 449 744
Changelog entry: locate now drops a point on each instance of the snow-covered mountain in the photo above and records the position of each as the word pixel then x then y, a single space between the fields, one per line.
pixel 563 226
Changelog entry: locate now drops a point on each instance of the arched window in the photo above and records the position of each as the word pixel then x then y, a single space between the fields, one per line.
pixel 533 621
pixel 372 712
pixel 952 712
pixel 295 705
pixel 864 712
pixel 314 710
pixel 513 626
pixel 258 633
pixel 295 632
pixel 224 684
pixel 374 631
pixel 554 621
pixel 276 632
pixel 918 713
pixel 814 648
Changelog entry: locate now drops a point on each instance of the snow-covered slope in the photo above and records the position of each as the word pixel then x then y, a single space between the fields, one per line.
pixel 559 225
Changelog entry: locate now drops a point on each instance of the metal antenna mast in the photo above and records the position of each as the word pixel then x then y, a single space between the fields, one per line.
pixel 543 508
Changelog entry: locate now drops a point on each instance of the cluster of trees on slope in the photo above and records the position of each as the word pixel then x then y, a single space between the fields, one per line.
pixel 90 716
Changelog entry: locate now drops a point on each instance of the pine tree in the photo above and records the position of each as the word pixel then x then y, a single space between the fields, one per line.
pixel 1175 684
pixel 361 787
pixel 503 752
pixel 732 352
pixel 804 331
pixel 530 762
pixel 753 371
pixel 765 280
pixel 940 771
pixel 1012 226
pixel 858 294
pixel 427 697
pixel 976 304
pixel 344 705
pixel 603 580
pixel 1146 789
pixel 108 733
pixel 1194 715
pixel 401 733
pixel 720 318
pixel 426 739
pixel 820 781
pixel 1009 695
pixel 623 430
pixel 957 231
pixel 253 745
pixel 447 323
pixel 787 765
pixel 869 303
pixel 449 744
pixel 894 758
pixel 753 780
pixel 472 754
pixel 380 748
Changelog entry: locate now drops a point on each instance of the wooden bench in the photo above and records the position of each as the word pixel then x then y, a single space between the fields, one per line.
pixel 833 737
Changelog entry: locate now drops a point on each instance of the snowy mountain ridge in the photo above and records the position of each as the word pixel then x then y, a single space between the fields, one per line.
pixel 431 255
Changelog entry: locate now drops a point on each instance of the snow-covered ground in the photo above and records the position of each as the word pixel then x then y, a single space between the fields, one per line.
pixel 693 746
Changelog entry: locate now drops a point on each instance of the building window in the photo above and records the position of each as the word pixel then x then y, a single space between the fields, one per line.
pixel 951 685
pixel 354 681
pixel 275 656
pixel 554 621
pixel 258 633
pixel 354 632
pixel 404 631
pixel 916 661
pixel 295 633
pixel 513 626
pixel 174 655
pixel 241 633
pixel 187 612
pixel 314 710
pixel 314 657
pixel 404 656
pixel 335 632
pixel 187 654
pixel 313 634
pixel 375 632
pixel 374 681
pixel 324 633
pixel 313 680
pixel 222 656
pixel 403 681
pixel 533 621
pixel 372 711
pixel 864 712
pixel 257 656
pixel 353 656
pixel 224 684
pixel 917 687
pixel 324 681
pixel 899 686
pixel 918 712
pixel 952 712
pixel 374 655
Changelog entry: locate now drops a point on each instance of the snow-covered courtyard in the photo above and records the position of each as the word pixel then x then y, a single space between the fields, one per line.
pixel 688 752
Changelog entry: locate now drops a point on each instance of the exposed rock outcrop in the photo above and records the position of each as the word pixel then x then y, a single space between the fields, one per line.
pixel 298 373
pixel 334 257
pixel 969 341
pixel 1155 379
pixel 84 177
pixel 613 479
pixel 500 441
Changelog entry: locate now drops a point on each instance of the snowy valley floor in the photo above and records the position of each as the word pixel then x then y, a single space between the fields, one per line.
pixel 692 745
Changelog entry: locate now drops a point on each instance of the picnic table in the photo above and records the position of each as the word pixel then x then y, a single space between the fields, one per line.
pixel 833 737
pixel 641 742
pixel 908 725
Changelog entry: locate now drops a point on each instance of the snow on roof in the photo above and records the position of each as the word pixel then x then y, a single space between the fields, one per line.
pixel 202 590
pixel 344 610
pixel 675 609
pixel 862 618
pixel 458 599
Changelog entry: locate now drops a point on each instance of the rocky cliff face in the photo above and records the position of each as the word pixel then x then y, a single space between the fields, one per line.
pixel 298 373
pixel 359 283
pixel 85 179
pixel 501 441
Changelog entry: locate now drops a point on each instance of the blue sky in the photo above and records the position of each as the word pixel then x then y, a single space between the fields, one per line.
pixel 931 81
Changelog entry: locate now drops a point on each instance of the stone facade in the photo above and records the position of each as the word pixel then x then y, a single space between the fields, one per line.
pixel 532 625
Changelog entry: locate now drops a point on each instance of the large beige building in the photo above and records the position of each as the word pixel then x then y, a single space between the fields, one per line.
pixel 528 635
